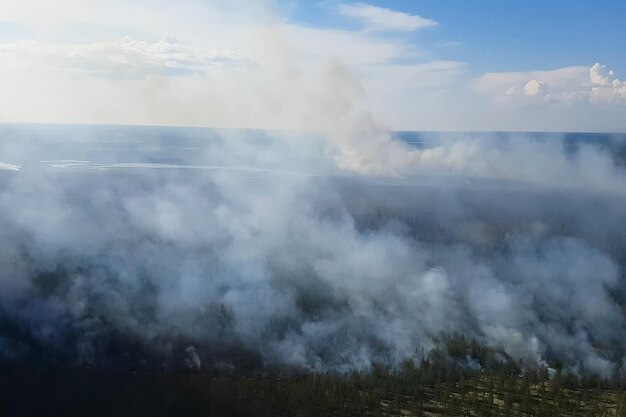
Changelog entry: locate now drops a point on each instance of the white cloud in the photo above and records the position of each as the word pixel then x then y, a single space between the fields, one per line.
pixel 123 58
pixel 535 88
pixel 606 88
pixel 8 167
pixel 380 18
pixel 567 86
pixel 599 75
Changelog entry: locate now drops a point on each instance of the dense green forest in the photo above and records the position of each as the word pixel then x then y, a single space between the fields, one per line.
pixel 438 384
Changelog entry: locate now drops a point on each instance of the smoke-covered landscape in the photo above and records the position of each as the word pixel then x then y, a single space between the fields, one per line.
pixel 234 223
pixel 162 248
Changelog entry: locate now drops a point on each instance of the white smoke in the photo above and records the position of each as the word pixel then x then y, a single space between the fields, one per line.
pixel 331 249
pixel 306 265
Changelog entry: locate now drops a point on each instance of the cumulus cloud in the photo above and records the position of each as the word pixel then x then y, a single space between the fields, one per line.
pixel 606 88
pixel 569 86
pixel 600 75
pixel 534 87
pixel 380 18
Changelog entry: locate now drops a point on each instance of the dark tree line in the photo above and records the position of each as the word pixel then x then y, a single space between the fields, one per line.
pixel 460 377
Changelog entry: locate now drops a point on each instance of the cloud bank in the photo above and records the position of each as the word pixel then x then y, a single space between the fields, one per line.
pixel 596 85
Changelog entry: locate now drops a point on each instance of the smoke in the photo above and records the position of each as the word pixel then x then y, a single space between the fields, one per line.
pixel 261 251
pixel 332 248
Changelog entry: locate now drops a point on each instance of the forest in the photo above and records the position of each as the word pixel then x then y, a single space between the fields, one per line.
pixel 459 377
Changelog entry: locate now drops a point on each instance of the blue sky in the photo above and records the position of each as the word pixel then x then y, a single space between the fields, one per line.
pixel 505 35
pixel 421 64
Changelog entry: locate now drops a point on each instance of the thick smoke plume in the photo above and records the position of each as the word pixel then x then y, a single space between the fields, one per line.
pixel 156 247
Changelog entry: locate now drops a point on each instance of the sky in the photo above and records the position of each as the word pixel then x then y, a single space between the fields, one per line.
pixel 444 65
